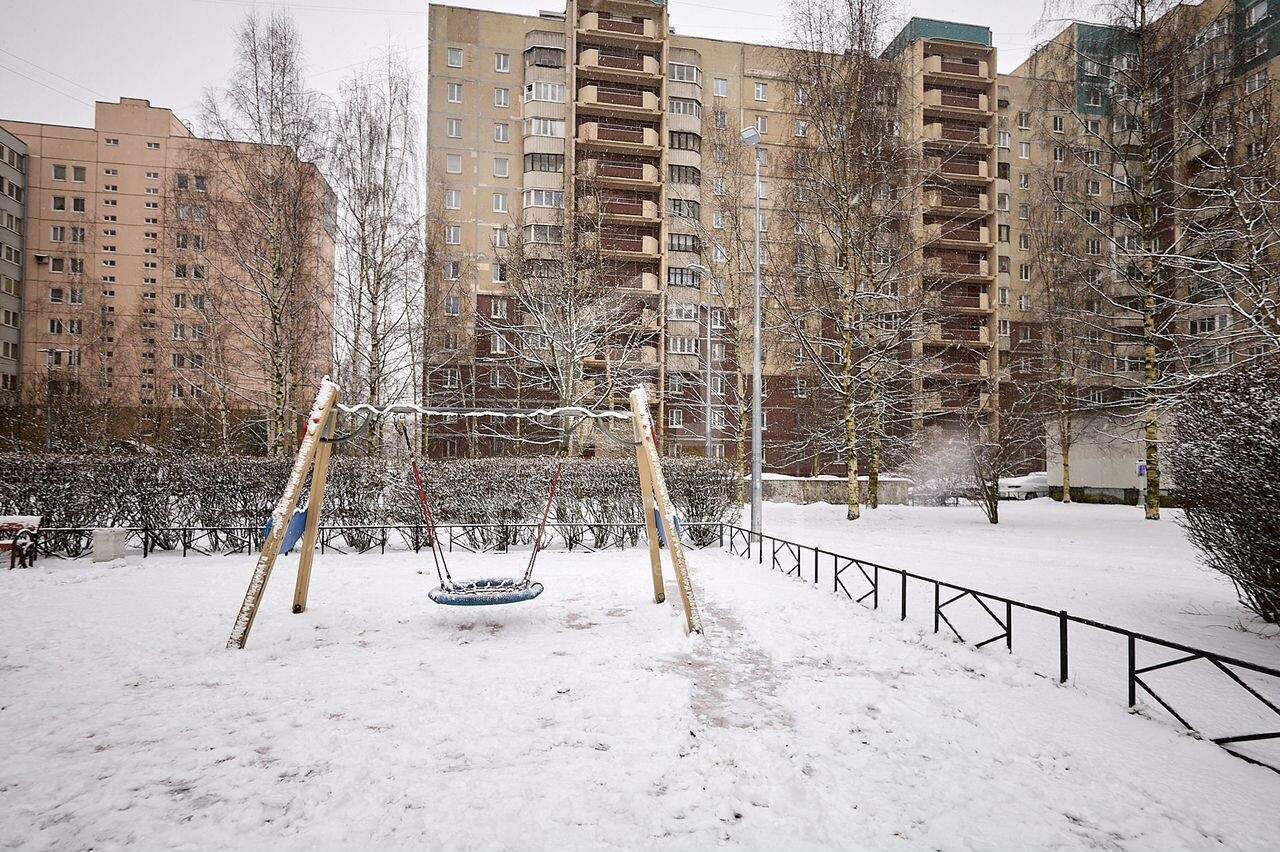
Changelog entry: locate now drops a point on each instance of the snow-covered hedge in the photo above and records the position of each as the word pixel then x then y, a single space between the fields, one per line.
pixel 156 492
pixel 1226 461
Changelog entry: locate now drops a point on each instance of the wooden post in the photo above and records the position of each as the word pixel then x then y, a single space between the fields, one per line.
pixel 650 508
pixel 648 451
pixel 326 397
pixel 315 507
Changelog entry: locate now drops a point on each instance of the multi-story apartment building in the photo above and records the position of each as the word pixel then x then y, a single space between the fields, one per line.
pixel 115 276
pixel 13 189
pixel 523 110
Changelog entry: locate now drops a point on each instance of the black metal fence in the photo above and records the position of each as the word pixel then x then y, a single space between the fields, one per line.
pixel 863 582
pixel 989 618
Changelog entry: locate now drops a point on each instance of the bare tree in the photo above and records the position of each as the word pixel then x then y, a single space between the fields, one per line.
pixel 380 265
pixel 853 193
pixel 253 192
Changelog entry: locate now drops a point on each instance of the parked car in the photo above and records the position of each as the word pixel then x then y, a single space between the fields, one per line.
pixel 1025 487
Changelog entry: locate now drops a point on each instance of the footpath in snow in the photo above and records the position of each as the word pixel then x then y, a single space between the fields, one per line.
pixel 582 720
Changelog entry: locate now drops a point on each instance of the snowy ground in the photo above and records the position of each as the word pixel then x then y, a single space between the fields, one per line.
pixel 582 720
pixel 1101 562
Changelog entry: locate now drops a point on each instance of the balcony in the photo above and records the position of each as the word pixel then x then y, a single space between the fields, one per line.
pixel 956 134
pixel 972 170
pixel 942 200
pixel 646 281
pixel 619 138
pixel 943 267
pixel 616 31
pixel 951 100
pixel 621 209
pixel 960 233
pixel 947 66
pixel 627 246
pixel 620 67
pixel 601 99
pixel 620 174
pixel 952 368
pixel 941 334
pixel 958 302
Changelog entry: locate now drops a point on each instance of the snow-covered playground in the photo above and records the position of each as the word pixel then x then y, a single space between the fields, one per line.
pixel 587 719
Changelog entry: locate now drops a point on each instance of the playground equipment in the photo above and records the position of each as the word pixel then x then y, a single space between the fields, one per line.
pixel 312 463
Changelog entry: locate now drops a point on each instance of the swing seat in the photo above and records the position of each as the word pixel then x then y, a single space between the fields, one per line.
pixel 489 592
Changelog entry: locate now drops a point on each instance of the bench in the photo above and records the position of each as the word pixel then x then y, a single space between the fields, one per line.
pixel 19 535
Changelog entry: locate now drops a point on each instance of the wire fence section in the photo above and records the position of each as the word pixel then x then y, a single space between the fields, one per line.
pixel 1231 702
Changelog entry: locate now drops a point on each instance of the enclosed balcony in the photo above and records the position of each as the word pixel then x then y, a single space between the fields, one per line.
pixel 960 168
pixel 972 233
pixel 957 265
pixel 619 137
pixel 621 208
pixel 974 299
pixel 966 68
pixel 617 101
pixel 955 334
pixel 617 30
pixel 629 245
pixel 618 64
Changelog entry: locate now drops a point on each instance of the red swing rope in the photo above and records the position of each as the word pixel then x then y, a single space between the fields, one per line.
pixel 537 539
pixel 424 505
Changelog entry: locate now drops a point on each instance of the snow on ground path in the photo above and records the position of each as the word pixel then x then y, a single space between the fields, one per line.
pixel 583 720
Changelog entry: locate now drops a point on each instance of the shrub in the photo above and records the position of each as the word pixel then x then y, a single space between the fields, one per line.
pixel 1226 466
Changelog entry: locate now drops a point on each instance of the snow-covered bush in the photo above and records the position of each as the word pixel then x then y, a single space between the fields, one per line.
pixel 161 492
pixel 1226 463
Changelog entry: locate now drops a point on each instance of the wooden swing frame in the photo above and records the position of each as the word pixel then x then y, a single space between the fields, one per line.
pixel 312 463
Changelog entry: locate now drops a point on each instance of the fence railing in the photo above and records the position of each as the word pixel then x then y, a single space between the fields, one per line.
pixel 990 619
pixel 870 584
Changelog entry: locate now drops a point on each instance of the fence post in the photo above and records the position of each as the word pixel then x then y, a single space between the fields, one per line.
pixel 904 597
pixel 1062 646
pixel 875 587
pixel 722 534
pixel 815 566
pixel 937 610
pixel 1008 626
pixel 1133 672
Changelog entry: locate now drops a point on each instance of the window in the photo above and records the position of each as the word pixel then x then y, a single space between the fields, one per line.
pixel 1059 184
pixel 762 125
pixel 685 208
pixel 453 128
pixel 502 131
pixel 1003 138
pixel 1024 242
pixel 686 174
pixel 1024 272
pixel 452 271
pixel 1004 328
pixel 1024 211
pixel 544 127
pixel 1095 187
pixel 59 202
pixel 153 146
pixel 678 276
pixel 684 242
pixel 762 91
pixel 59 172
pixel 550 92
pixel 78 174
pixel 501 167
pixel 453 164
pixel 499 238
pixel 78 205
pixel 499 202
pixel 1255 13
pixel 452 235
pixel 454 92
pixel 721 88
pixel 681 141
pixel 1093 246
pixel 499 271
pixel 1002 233
pixel 449 377
pixel 150 175
pixel 1004 297
pixel 58 234
pixel 455 57
pixel 111 141
pixel 1059 125
pixel 1059 154
pixel 1257 80
pixel 1024 180
pixel 1093 97
pixel 546 234
pixel 502 62
pixel 179 270
pixel 452 199
pixel 682 311
pixel 543 198
pixel 55 325
pixel 684 106
pixel 1024 150
pixel 1024 121
pixel 57 295
pixel 498 309
pixel 1002 201
pixel 179 331
pixel 683 73
pixel 544 162
pixel 717 220
pixel 682 345
pixel 453 305
pixel 1024 302
pixel 179 300
pixel 501 97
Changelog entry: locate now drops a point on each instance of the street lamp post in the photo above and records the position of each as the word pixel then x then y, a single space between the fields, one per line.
pixel 706 393
pixel 751 137
pixel 49 355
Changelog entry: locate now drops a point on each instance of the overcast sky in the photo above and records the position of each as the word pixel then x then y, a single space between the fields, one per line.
pixel 56 58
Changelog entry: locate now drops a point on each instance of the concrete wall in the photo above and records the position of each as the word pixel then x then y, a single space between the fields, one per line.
pixel 830 489
pixel 1105 453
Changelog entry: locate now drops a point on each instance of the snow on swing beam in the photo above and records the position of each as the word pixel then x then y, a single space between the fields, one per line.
pixel 313 458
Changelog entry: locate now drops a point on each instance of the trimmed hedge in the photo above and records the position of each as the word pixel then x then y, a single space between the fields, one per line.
pixel 156 492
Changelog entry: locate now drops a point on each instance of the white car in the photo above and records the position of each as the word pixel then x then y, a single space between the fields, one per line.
pixel 1025 487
